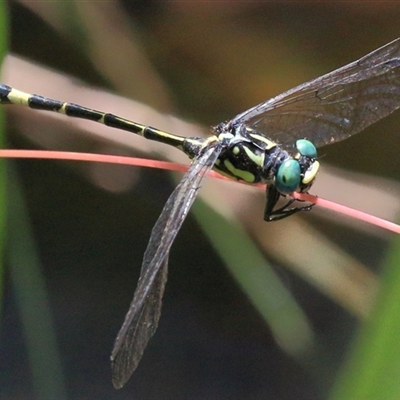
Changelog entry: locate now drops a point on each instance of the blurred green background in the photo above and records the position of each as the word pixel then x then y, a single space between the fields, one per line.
pixel 251 310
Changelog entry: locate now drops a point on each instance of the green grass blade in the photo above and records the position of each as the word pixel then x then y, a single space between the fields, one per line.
pixel 30 292
pixel 372 371
pixel 26 278
pixel 3 50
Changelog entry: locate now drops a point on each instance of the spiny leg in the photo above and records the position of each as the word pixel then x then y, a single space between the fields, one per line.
pixel 283 212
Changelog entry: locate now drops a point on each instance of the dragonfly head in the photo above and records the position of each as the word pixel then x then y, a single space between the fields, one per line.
pixel 297 174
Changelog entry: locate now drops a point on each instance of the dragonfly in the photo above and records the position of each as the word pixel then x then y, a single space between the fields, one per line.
pixel 274 143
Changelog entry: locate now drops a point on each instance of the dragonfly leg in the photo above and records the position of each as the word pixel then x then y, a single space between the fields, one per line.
pixel 283 212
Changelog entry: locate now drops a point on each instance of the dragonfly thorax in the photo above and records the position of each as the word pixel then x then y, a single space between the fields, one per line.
pixel 251 157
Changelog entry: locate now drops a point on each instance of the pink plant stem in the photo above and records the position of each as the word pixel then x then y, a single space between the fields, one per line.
pixel 141 162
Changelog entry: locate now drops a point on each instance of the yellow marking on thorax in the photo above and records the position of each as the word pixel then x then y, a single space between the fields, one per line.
pixel 223 173
pixel 263 139
pixel 238 173
pixel 235 150
pixel 257 159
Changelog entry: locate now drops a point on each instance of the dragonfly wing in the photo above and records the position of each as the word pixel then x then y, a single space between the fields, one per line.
pixel 144 312
pixel 334 106
pixel 139 326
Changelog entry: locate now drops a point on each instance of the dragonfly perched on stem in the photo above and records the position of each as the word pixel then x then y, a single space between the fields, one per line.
pixel 273 143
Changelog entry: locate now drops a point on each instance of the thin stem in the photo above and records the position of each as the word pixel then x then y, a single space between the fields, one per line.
pixel 141 162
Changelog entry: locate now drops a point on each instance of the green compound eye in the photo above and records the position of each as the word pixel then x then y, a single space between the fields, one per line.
pixel 287 179
pixel 306 148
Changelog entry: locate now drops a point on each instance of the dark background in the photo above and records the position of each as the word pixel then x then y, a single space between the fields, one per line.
pixel 211 60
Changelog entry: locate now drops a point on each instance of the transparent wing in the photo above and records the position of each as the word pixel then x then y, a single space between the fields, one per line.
pixel 144 312
pixel 334 106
